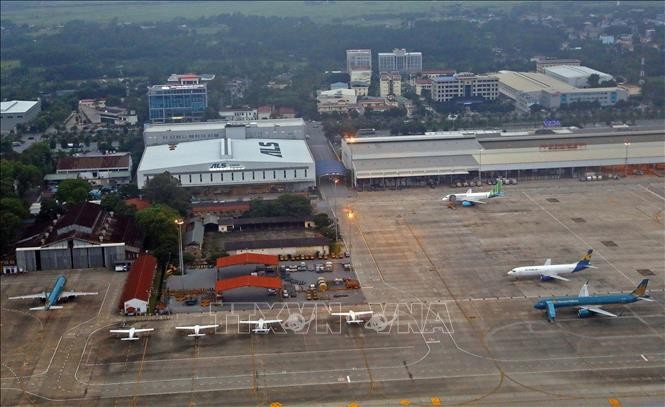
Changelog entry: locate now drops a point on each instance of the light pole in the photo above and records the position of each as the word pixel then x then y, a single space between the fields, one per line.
pixel 625 163
pixel 480 168
pixel 180 222
pixel 335 210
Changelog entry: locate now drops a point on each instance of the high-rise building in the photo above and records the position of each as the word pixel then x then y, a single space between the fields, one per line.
pixel 401 61
pixel 465 85
pixel 358 60
pixel 390 84
pixel 183 99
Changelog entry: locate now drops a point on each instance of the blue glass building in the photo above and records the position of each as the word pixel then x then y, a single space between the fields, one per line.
pixel 177 103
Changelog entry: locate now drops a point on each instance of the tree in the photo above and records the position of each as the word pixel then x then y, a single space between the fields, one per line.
pixel 161 231
pixel 128 191
pixel 593 80
pixel 284 205
pixel 10 224
pixel 322 220
pixel 39 155
pixel 114 202
pixel 166 189
pixel 49 210
pixel 73 191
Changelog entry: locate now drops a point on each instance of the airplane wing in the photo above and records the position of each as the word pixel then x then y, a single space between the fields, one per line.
pixel 598 310
pixel 121 331
pixel 185 327
pixel 548 262
pixel 144 330
pixel 272 321
pixel 474 201
pixel 42 295
pixel 358 314
pixel 555 276
pixel 66 294
pixel 207 326
pixel 340 314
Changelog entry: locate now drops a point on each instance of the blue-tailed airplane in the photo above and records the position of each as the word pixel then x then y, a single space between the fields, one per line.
pixel 51 298
pixel 590 304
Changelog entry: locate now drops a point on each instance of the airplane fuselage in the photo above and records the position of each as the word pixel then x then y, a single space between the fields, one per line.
pixel 463 197
pixel 560 302
pixel 56 291
pixel 530 271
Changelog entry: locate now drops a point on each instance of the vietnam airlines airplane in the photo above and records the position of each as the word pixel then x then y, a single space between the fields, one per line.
pixel 590 304
pixel 51 298
pixel 549 271
pixel 471 198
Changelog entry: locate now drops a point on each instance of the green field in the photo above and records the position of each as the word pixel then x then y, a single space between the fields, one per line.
pixel 51 13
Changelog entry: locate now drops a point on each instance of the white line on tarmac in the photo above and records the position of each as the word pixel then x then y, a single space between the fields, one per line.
pixel 578 237
pixel 650 191
pixel 644 357
pixel 348 379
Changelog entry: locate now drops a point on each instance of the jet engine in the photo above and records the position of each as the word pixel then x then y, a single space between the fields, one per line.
pixel 584 313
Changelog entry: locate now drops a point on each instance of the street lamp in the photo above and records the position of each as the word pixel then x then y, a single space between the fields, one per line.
pixel 180 222
pixel 336 180
pixel 625 163
pixel 480 168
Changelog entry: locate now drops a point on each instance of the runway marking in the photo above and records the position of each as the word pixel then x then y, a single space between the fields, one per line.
pixel 651 192
pixel 644 357
pixel 578 237
pixel 258 354
pixel 348 379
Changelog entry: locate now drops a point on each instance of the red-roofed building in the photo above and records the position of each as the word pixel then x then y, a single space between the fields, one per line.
pixel 138 203
pixel 247 258
pixel 286 113
pixel 264 112
pixel 138 287
pixel 248 281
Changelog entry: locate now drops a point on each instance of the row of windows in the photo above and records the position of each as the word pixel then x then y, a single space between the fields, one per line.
pixel 239 176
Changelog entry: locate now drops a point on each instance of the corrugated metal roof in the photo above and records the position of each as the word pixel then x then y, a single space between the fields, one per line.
pixel 247 258
pixel 443 163
pixel 17 106
pixel 94 162
pixel 194 234
pixel 276 243
pixel 248 281
pixel 139 280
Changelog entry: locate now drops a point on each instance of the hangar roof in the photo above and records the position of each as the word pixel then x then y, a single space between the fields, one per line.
pixel 419 163
pixel 220 124
pixel 164 156
pixel 412 146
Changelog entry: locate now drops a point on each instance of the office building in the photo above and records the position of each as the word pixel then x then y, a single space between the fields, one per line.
pixel 401 61
pixel 96 111
pixel 390 84
pixel 465 85
pixel 358 60
pixel 15 112
pixel 338 100
pixel 183 99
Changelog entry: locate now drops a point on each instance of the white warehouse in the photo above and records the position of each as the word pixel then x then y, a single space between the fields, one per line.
pixel 231 162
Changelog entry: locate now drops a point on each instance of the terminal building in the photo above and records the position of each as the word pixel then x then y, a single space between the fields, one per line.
pixel 442 157
pixel 285 164
pixel 171 133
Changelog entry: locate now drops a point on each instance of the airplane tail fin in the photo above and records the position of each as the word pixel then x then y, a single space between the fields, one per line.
pixel 496 190
pixel 585 261
pixel 641 288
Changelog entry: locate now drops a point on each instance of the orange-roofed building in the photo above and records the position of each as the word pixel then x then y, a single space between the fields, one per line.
pixel 247 258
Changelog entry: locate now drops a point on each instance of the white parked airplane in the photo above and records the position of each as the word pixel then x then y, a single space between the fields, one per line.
pixel 262 325
pixel 196 329
pixel 352 317
pixel 131 332
pixel 549 271
pixel 471 198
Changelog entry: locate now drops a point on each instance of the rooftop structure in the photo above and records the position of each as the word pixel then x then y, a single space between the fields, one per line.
pixel 14 112
pixel 190 78
pixel 529 88
pixel 84 236
pixel 163 133
pixel 230 162
pixel 136 294
pixel 96 111
pixel 543 62
pixel 577 76
pixel 465 85
pixel 98 169
pixel 358 60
